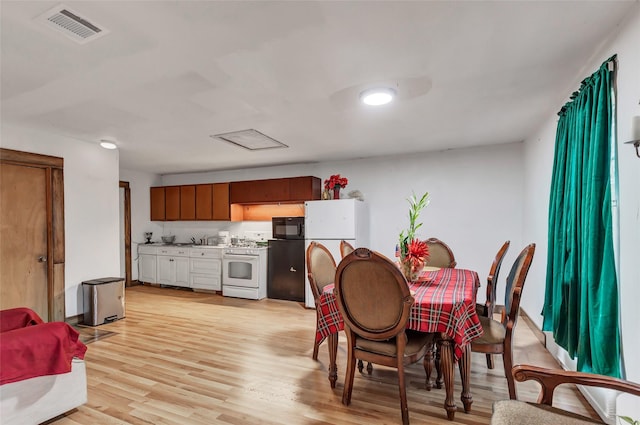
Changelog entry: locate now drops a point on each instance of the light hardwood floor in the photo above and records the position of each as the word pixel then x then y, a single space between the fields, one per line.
pixel 191 358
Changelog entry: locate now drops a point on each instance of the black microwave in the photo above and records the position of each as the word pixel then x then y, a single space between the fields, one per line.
pixel 288 227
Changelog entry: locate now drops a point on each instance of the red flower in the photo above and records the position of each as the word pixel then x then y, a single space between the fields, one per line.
pixel 335 181
pixel 417 252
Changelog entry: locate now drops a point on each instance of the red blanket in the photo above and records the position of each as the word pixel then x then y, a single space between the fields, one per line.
pixel 43 349
pixel 16 318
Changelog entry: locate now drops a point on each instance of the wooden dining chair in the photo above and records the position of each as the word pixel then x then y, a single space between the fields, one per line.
pixel 440 255
pixel 321 271
pixel 507 412
pixel 498 335
pixel 345 248
pixel 488 307
pixel 374 299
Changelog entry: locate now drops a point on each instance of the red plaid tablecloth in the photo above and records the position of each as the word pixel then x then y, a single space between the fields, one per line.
pixel 445 301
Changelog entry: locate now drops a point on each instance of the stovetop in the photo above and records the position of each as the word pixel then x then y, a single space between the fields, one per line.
pixel 246 250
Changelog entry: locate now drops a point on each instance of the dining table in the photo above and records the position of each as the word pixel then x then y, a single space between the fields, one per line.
pixel 444 304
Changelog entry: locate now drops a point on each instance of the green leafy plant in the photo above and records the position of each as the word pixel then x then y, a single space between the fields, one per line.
pixel 416 205
pixel 629 420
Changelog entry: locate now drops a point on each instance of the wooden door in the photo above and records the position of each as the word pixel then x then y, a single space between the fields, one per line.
pixel 23 238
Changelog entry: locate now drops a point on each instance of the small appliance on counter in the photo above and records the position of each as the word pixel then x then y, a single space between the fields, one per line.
pixel 224 238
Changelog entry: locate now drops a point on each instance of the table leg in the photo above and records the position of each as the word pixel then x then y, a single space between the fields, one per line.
pixel 446 362
pixel 465 374
pixel 332 340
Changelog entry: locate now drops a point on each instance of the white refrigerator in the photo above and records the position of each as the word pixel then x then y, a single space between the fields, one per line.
pixel 330 221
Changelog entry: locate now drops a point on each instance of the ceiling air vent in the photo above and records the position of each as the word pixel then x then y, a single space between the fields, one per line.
pixel 251 139
pixel 72 24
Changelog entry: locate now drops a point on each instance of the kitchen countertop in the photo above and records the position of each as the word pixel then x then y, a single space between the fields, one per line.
pixel 184 245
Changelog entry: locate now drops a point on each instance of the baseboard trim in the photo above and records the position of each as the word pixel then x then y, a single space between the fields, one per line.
pixel 75 320
pixel 534 328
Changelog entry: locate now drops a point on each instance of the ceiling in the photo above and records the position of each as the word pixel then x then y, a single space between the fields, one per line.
pixel 171 74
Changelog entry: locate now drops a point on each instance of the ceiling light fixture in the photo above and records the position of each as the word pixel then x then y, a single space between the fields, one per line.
pixel 107 144
pixel 377 96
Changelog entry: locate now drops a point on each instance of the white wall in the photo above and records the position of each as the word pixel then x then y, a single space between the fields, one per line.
pixel 139 184
pixel 538 160
pixel 91 213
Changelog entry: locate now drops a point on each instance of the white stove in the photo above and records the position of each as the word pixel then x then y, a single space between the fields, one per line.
pixel 244 272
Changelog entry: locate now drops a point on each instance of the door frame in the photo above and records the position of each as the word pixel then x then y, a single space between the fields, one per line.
pixel 54 171
pixel 127 231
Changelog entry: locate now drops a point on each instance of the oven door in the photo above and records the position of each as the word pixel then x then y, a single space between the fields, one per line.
pixel 240 270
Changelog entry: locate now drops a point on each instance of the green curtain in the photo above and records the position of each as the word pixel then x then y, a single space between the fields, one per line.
pixel 581 299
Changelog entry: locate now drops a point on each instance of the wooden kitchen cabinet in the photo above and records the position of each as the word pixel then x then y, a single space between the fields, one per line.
pixel 259 191
pixel 305 189
pixel 157 204
pixel 204 202
pixel 172 202
pixel 293 189
pixel 221 205
pixel 188 202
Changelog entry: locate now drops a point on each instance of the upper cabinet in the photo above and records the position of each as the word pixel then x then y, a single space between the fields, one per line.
pixel 157 204
pixel 304 189
pixel 285 190
pixel 214 201
pixel 190 202
pixel 172 203
pixel 221 209
pixel 204 201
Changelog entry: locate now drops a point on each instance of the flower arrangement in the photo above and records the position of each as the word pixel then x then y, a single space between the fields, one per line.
pixel 412 252
pixel 335 182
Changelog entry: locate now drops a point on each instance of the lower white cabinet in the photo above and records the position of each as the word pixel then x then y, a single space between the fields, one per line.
pixel 205 269
pixel 173 266
pixel 147 264
pixel 191 267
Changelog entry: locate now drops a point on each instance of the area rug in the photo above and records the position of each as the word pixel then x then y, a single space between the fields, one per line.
pixel 89 334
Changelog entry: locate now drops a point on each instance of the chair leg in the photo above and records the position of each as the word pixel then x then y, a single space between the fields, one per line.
pixel 348 379
pixel 507 358
pixel 403 394
pixel 489 361
pixel 361 366
pixel 314 356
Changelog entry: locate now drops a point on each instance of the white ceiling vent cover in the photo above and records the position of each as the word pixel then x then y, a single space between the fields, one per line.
pixel 72 24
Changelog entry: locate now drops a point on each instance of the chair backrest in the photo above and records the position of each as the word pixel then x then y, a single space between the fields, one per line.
pixel 345 248
pixel 440 255
pixel 321 268
pixel 515 284
pixel 492 278
pixel 373 295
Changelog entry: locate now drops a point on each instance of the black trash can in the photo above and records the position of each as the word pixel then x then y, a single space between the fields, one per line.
pixel 103 300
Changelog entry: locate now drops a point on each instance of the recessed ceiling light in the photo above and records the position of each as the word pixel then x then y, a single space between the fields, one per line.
pixel 108 145
pixel 377 96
